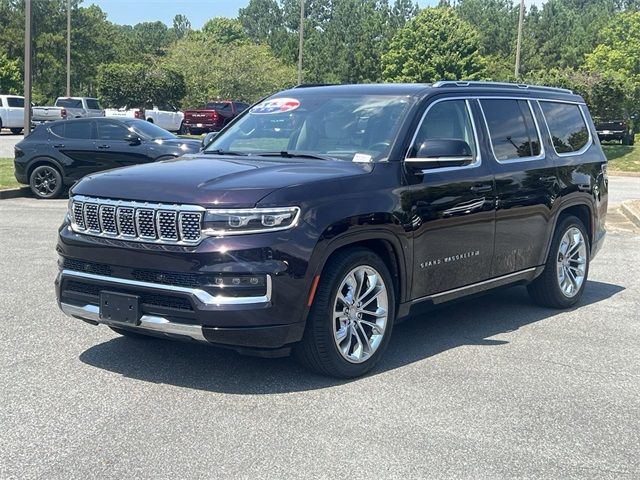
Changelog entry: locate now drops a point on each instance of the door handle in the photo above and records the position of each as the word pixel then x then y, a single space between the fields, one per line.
pixel 549 179
pixel 481 188
pixel 58 145
pixel 103 147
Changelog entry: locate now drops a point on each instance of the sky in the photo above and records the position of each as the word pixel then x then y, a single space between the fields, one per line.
pixel 197 11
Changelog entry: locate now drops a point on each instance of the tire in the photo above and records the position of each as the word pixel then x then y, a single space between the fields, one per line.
pixel 131 334
pixel 46 182
pixel 632 139
pixel 16 131
pixel 625 140
pixel 320 348
pixel 183 130
pixel 563 280
pixel 150 120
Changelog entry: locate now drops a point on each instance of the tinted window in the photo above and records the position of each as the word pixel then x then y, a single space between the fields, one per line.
pixel 92 104
pixel 15 102
pixel 78 129
pixel 112 131
pixel 566 125
pixel 218 106
pixel 446 120
pixel 512 129
pixel 241 107
pixel 69 103
pixel 147 129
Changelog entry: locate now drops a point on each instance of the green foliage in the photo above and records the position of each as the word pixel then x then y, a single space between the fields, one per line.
pixel 225 30
pixel 181 25
pixel 10 77
pixel 135 85
pixel 435 45
pixel 236 71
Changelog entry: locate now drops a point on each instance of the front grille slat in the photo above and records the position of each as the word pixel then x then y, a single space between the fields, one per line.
pixel 156 223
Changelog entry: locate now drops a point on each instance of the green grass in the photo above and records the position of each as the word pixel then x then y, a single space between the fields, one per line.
pixel 7 180
pixel 623 158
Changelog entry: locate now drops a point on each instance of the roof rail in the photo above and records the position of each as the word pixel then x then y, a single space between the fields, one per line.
pixel 309 85
pixel 523 86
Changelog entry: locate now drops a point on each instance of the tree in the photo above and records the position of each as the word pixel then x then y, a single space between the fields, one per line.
pixel 10 77
pixel 435 45
pixel 181 25
pixel 225 30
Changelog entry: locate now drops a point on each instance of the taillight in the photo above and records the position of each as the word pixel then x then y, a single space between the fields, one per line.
pixel 63 113
pixel 18 152
pixel 136 114
pixel 214 115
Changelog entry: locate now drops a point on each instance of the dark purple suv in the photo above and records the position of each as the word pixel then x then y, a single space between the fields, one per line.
pixel 323 215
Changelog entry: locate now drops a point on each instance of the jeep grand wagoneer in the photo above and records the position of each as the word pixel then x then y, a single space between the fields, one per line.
pixel 322 215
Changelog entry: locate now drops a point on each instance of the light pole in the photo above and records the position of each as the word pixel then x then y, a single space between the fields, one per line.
pixel 519 43
pixel 27 67
pixel 301 44
pixel 68 48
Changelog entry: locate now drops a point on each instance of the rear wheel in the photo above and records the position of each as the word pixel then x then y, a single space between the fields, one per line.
pixel 632 139
pixel 351 320
pixel 565 273
pixel 625 140
pixel 46 182
pixel 16 131
pixel 183 130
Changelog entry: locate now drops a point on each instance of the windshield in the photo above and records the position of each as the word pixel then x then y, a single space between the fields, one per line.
pixel 69 103
pixel 358 127
pixel 148 129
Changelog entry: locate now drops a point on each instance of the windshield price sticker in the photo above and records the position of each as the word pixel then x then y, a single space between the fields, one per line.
pixel 275 105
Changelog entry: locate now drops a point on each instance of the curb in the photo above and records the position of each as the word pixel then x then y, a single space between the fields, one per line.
pixel 617 173
pixel 631 209
pixel 15 193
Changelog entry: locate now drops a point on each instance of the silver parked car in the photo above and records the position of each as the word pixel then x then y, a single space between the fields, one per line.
pixel 80 107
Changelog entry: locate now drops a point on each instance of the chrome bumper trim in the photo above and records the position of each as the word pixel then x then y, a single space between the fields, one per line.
pixel 203 296
pixel 147 322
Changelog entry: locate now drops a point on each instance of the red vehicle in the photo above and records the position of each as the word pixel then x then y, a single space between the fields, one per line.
pixel 215 115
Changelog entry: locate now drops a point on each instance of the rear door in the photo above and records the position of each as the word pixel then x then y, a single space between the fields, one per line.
pixel 452 208
pixel 93 108
pixel 15 112
pixel 112 148
pixel 526 183
pixel 75 141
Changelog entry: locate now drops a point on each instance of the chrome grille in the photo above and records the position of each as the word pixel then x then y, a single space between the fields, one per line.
pixel 167 226
pixel 137 221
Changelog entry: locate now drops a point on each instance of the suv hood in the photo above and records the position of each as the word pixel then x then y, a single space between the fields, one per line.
pixel 212 181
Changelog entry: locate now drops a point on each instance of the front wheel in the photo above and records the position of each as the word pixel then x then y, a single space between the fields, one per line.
pixel 562 282
pixel 351 320
pixel 46 182
pixel 16 131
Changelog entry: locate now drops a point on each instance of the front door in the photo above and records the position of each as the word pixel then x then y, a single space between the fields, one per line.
pixel 452 207
pixel 113 150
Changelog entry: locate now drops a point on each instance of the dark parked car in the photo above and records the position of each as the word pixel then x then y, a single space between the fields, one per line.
pixel 59 153
pixel 619 130
pixel 212 117
pixel 324 215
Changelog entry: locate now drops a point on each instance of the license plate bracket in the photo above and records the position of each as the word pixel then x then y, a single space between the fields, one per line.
pixel 120 308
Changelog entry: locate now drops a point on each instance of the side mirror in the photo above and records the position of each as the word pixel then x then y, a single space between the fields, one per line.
pixel 208 140
pixel 439 153
pixel 133 139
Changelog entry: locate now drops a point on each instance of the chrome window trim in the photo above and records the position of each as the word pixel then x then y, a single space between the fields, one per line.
pixel 586 146
pixel 203 296
pixel 478 157
pixel 540 156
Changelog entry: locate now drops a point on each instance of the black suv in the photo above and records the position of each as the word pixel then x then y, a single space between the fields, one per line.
pixel 323 215
pixel 619 130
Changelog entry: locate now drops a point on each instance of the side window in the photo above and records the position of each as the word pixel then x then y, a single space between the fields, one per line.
pixel 112 131
pixel 511 128
pixel 15 102
pixel 92 104
pixel 450 120
pixel 2 102
pixel 241 107
pixel 78 129
pixel 567 127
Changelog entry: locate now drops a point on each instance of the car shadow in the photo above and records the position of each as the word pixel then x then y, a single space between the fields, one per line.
pixel 470 322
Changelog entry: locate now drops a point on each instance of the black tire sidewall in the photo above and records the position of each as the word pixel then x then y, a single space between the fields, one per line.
pixel 59 183
pixel 320 324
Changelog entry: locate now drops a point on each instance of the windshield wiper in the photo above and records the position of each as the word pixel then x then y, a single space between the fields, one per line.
pixel 286 154
pixel 219 151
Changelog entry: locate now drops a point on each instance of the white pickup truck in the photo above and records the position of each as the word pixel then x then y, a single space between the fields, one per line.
pixel 12 113
pixel 68 107
pixel 168 118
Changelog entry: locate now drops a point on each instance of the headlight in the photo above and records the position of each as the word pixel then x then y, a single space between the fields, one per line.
pixel 250 220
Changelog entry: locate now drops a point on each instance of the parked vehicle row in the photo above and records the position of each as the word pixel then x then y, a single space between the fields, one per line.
pixel 324 215
pixel 167 117
pixel 57 154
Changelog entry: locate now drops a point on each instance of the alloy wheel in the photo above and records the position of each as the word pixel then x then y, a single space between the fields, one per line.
pixel 571 262
pixel 360 314
pixel 45 181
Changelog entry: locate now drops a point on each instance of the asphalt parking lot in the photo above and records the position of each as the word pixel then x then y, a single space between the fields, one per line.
pixel 7 142
pixel 493 387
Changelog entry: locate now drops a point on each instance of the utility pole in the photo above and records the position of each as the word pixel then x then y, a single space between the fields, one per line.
pixel 519 43
pixel 301 44
pixel 68 48
pixel 27 67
